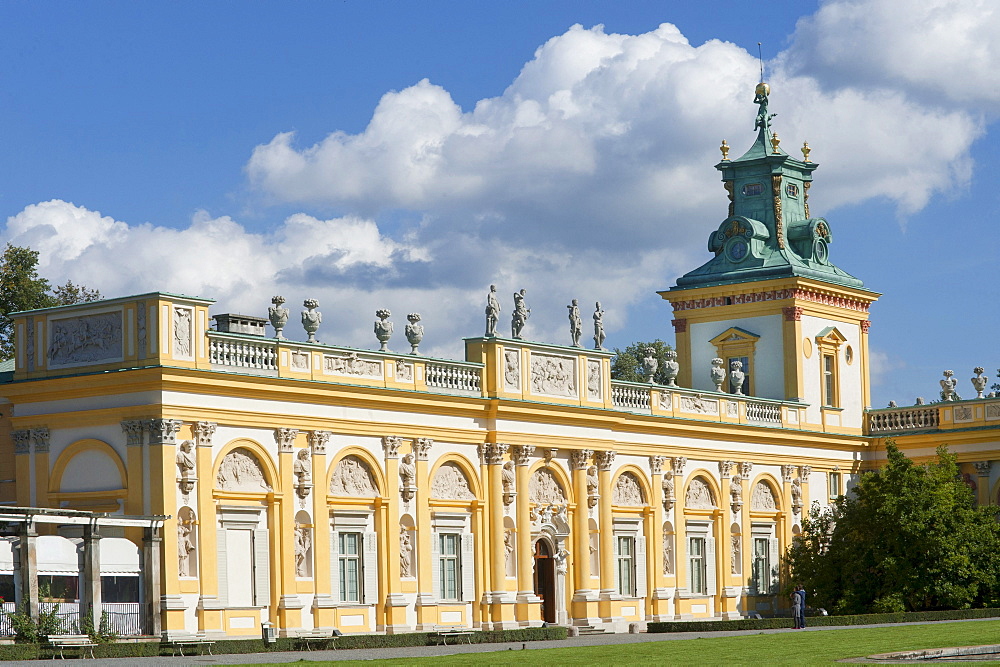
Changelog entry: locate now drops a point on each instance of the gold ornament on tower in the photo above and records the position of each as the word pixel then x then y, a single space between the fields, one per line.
pixel 725 150
pixel 774 143
pixel 805 151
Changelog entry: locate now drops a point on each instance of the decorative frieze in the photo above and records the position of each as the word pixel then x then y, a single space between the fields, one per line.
pixel 553 376
pixel 812 296
pixel 450 483
pixel 89 339
pixel 353 477
pixel 700 405
pixel 699 495
pixel 627 491
pixel 241 471
pixel 512 369
pixel 544 488
pixel 762 499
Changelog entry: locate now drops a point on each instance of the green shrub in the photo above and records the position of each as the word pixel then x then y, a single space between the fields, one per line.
pixel 822 621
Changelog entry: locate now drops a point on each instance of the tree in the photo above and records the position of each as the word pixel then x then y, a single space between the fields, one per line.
pixel 21 288
pixel 908 538
pixel 627 364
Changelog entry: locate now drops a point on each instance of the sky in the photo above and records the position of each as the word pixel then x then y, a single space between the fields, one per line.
pixel 406 155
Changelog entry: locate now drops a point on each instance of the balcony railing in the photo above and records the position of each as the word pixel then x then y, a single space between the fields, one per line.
pixel 903 419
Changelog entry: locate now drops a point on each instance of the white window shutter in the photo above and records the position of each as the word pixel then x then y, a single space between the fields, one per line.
pixel 710 564
pixel 370 566
pixel 436 565
pixel 261 569
pixel 468 568
pixel 617 567
pixel 335 566
pixel 775 558
pixel 640 566
pixel 221 560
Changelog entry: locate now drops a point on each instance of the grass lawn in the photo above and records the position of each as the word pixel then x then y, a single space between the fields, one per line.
pixel 813 647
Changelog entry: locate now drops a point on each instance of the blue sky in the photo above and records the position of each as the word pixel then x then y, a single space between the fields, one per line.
pixel 405 155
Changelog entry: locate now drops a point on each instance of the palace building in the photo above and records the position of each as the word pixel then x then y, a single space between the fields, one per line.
pixel 220 476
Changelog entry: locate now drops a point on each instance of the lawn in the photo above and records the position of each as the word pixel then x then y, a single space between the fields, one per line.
pixel 813 647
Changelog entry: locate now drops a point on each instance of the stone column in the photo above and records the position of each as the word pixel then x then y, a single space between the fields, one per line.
pixel 609 613
pixel 28 558
pixel 982 482
pixel 746 469
pixel 152 566
pixel 323 601
pixel 866 390
pixel 529 610
pixel 395 601
pixel 804 472
pixel 283 588
pixel 427 596
pixel 584 610
pixel 135 431
pixel 501 603
pixel 728 586
pixel 681 612
pixel 40 454
pixel 786 518
pixel 90 590
pixel 656 596
pixel 210 614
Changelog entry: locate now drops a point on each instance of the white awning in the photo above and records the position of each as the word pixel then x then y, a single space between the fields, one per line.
pixel 8 547
pixel 119 556
pixel 56 555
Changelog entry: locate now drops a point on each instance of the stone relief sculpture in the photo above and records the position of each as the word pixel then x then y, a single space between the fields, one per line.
pixel 185 543
pixel 598 327
pixel 91 338
pixel 593 379
pixel 668 491
pixel 241 471
pixel 948 387
pixel 762 499
pixel 699 405
pixel 405 553
pixel 796 495
pixel 351 364
pixel 302 468
pixel 404 372
pixel 575 323
pixel 414 332
pixel 592 486
pixel 508 550
pixel 182 332
pixel 311 318
pixel 520 316
pixel 627 491
pixel 185 459
pixel 492 312
pixel 736 554
pixel 736 493
pixel 300 360
pixel 353 477
pixel 699 495
pixel 512 369
pixel 450 483
pixel 303 545
pixel 383 328
pixel 668 551
pixel 507 480
pixel 278 315
pixel 544 488
pixel 555 376
pixel 671 368
pixel 407 472
pixel 718 373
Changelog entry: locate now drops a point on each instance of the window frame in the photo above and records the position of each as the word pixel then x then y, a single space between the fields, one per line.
pixel 346 562
pixel 446 561
pixel 625 564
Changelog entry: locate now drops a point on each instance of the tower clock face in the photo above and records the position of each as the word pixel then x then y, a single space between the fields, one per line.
pixel 737 250
pixel 820 251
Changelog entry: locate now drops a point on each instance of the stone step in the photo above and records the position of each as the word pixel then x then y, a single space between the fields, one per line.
pixel 590 630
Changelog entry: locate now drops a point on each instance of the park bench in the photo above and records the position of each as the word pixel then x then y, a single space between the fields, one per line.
pixel 310 637
pixel 81 643
pixel 177 641
pixel 442 632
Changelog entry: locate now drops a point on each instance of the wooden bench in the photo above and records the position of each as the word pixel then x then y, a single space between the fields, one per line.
pixel 82 643
pixel 310 637
pixel 442 632
pixel 177 641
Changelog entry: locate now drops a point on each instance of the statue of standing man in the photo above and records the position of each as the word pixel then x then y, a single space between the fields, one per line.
pixel 575 323
pixel 520 316
pixel 492 312
pixel 598 327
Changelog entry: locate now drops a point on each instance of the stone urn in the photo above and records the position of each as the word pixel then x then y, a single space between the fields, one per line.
pixel 278 315
pixel 383 328
pixel 414 332
pixel 311 319
pixel 979 382
pixel 671 368
pixel 948 386
pixel 718 373
pixel 737 376
pixel 649 364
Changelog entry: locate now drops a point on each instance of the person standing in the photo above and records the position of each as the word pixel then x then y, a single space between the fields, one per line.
pixel 801 592
pixel 796 609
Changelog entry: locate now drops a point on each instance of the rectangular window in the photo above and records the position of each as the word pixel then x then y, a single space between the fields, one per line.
pixel 745 387
pixel 697 565
pixel 350 567
pixel 449 566
pixel 761 566
pixel 626 566
pixel 834 484
pixel 830 381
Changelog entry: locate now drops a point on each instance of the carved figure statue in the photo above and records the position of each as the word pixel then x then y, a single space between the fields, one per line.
pixel 185 547
pixel 948 386
pixel 736 554
pixel 278 315
pixel 592 483
pixel 575 323
pixel 185 459
pixel 508 550
pixel 407 471
pixel 520 316
pixel 763 120
pixel 405 553
pixel 302 468
pixel 668 552
pixel 311 318
pixel 668 491
pixel 383 328
pixel 492 312
pixel 414 332
pixel 507 477
pixel 671 368
pixel 796 493
pixel 303 542
pixel 718 373
pixel 598 327
pixel 736 376
pixel 736 493
pixel 979 382
pixel 649 364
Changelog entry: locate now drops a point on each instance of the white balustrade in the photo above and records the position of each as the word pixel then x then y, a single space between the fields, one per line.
pixel 903 419
pixel 629 397
pixel 453 376
pixel 241 353
pixel 767 413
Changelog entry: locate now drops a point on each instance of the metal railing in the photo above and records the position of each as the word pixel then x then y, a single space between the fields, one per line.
pixel 6 628
pixel 123 618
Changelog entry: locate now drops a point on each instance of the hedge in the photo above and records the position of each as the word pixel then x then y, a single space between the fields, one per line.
pixel 857 619
pixel 129 649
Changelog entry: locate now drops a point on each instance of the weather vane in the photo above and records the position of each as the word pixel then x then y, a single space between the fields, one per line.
pixel 760 58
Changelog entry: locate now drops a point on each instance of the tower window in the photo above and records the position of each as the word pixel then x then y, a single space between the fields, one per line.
pixel 792 190
pixel 752 189
pixel 830 397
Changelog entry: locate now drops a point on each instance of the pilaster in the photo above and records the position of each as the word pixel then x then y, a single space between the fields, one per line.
pixel 605 460
pixel 656 599
pixel 284 599
pixel 152 558
pixel 210 615
pixel 983 482
pixel 323 601
pixel 529 610
pixel 680 535
pixel 395 601
pixel 426 597
pixel 90 584
pixel 584 604
pixel 501 602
